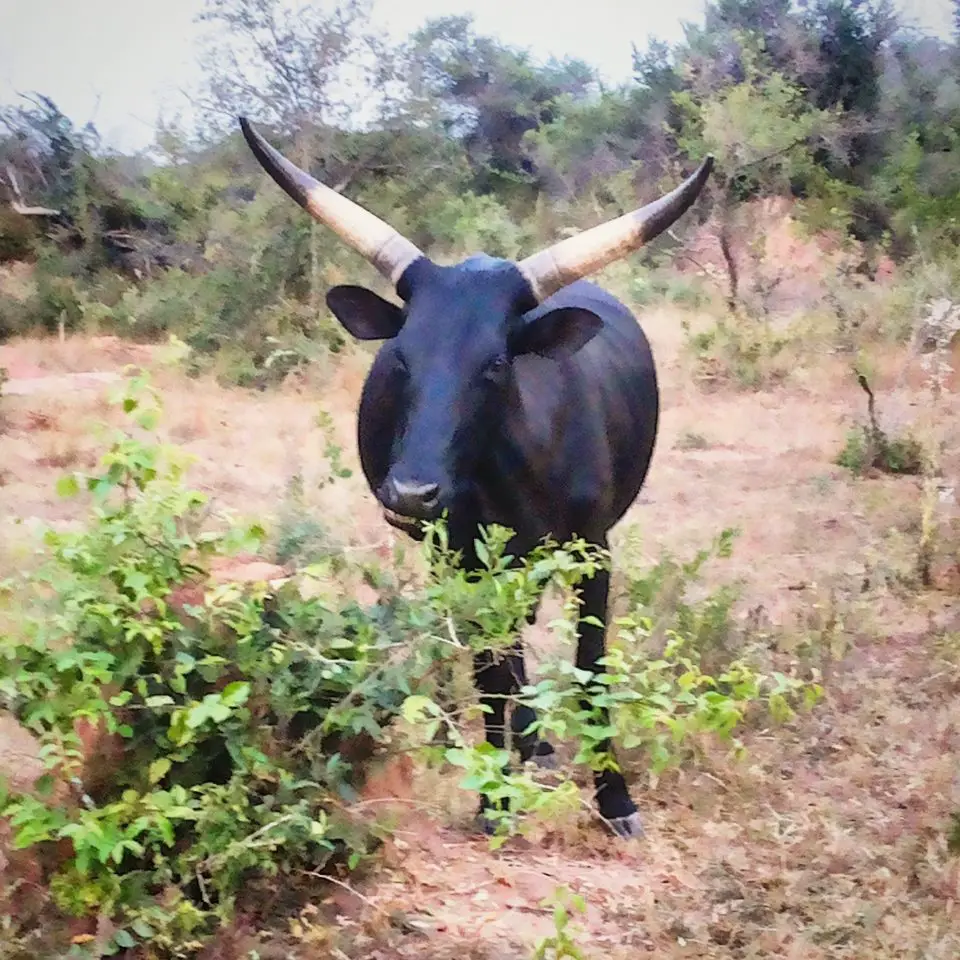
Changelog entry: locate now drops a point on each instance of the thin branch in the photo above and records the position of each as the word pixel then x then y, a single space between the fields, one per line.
pixel 33 211
pixel 363 898
pixel 772 156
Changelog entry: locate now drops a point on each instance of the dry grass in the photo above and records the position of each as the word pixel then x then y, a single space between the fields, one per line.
pixel 827 842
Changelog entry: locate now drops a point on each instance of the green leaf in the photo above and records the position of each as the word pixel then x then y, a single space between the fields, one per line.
pixel 142 929
pixel 179 730
pixel 234 694
pixel 149 419
pixel 161 700
pixel 165 829
pixel 68 485
pixel 483 554
pixel 136 581
pixel 123 939
pixel 44 785
pixel 210 708
pixel 415 709
pixel 158 769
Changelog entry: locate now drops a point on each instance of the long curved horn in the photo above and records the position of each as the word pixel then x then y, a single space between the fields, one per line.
pixel 389 251
pixel 558 266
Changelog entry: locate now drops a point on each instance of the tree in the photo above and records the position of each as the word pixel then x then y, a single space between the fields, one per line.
pixel 489 96
pixel 765 137
pixel 917 181
pixel 307 73
pixel 292 70
pixel 43 153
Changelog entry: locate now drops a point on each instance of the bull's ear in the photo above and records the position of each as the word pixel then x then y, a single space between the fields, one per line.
pixel 365 314
pixel 558 333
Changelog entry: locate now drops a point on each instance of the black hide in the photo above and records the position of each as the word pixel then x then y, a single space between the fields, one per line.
pixel 540 418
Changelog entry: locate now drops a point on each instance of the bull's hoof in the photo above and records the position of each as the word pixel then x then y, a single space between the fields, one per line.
pixel 626 827
pixel 546 761
pixel 545 756
pixel 484 825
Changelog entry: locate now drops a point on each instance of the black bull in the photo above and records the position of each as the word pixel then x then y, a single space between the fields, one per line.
pixel 505 393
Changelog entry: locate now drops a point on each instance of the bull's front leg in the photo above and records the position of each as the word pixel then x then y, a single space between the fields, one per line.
pixel 527 743
pixel 499 676
pixel 612 796
pixel 494 674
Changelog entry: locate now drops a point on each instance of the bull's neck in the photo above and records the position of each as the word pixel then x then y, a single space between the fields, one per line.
pixel 510 478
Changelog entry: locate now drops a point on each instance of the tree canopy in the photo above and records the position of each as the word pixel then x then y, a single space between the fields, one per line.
pixel 466 143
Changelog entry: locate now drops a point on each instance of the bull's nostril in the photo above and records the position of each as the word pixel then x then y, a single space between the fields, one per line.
pixel 412 498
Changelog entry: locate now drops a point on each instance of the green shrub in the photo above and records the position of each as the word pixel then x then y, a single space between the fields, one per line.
pixel 231 766
pixel 863 451
pixel 673 676
pixel 470 224
pixel 868 447
pixel 17 236
pixel 246 720
pixel 743 351
pixel 57 300
pixel 16 317
pixel 561 944
pixel 692 440
pixel 667 286
pixel 661 595
pixel 299 536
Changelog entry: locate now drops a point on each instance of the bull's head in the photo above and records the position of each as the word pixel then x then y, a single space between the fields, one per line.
pixel 453 343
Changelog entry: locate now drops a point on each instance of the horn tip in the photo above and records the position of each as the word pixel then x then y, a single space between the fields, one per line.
pixel 246 127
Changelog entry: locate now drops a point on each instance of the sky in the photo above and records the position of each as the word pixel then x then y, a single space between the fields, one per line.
pixel 120 63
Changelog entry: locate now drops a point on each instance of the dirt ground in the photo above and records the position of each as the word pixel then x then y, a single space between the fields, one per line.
pixel 827 841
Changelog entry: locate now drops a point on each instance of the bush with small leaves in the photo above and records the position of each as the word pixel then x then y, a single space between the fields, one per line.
pixel 745 352
pixel 215 734
pixel 670 678
pixel 869 447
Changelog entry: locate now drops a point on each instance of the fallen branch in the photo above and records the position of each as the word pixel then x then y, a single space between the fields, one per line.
pixel 18 205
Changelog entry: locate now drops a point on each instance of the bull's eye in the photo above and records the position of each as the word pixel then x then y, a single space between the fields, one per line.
pixel 496 369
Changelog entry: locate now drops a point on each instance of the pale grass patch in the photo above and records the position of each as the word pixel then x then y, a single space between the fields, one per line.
pixel 16 280
pixel 77 353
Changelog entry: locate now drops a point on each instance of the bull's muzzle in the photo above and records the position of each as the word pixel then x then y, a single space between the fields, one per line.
pixel 407 502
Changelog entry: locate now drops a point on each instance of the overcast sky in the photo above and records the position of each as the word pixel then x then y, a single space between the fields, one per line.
pixel 120 62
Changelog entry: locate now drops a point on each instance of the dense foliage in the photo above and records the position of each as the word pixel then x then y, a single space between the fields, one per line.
pixel 467 144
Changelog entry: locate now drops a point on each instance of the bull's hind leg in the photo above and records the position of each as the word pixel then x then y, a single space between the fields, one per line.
pixel 613 797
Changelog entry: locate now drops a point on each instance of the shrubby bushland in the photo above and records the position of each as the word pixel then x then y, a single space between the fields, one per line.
pixel 478 147
pixel 234 725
